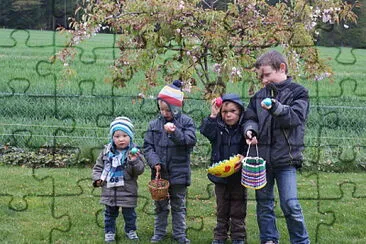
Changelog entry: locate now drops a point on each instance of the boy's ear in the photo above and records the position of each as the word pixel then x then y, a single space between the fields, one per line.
pixel 283 67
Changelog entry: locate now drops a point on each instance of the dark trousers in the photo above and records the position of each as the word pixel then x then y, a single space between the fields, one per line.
pixel 231 201
pixel 111 214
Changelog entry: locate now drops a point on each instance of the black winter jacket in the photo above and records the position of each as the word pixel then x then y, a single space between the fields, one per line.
pixel 225 142
pixel 280 130
pixel 171 151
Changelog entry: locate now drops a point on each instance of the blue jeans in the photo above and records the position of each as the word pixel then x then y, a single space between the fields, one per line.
pixel 111 214
pixel 286 184
pixel 177 203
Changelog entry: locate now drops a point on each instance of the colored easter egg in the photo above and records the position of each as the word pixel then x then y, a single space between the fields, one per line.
pixel 267 101
pixel 218 101
pixel 134 150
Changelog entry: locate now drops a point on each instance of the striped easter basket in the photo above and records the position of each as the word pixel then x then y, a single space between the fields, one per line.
pixel 253 171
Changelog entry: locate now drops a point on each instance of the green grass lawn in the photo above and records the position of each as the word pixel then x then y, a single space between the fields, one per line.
pixel 60 206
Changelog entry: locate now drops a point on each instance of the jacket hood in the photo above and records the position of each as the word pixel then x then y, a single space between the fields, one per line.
pixel 176 111
pixel 233 98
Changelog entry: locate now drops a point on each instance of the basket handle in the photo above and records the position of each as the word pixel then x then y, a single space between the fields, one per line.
pixel 157 174
pixel 256 147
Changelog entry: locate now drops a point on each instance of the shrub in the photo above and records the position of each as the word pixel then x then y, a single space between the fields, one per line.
pixel 52 157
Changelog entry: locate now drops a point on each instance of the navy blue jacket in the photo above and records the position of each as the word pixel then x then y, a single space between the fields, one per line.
pixel 171 151
pixel 226 141
pixel 280 130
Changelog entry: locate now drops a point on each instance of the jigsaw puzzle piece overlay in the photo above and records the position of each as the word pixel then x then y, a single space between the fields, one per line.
pixel 81 205
pixel 31 195
pixel 348 195
pixel 84 194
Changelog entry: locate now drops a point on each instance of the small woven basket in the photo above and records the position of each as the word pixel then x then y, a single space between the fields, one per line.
pixel 253 171
pixel 159 189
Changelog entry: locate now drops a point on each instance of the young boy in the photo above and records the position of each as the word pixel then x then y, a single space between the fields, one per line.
pixel 168 144
pixel 224 129
pixel 277 126
pixel 116 171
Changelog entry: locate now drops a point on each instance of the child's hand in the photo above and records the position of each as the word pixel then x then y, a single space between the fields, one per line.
pixel 215 109
pixel 251 138
pixel 133 157
pixel 98 183
pixel 169 127
pixel 237 166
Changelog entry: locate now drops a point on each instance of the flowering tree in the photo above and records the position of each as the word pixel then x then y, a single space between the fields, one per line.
pixel 190 41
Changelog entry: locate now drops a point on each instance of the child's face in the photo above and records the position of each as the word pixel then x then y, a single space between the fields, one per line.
pixel 230 113
pixel 165 110
pixel 121 139
pixel 267 74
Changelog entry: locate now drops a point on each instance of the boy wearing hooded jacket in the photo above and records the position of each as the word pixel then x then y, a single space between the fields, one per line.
pixel 168 144
pixel 224 129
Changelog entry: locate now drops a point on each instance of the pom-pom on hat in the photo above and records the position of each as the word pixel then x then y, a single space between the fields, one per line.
pixel 172 94
pixel 124 124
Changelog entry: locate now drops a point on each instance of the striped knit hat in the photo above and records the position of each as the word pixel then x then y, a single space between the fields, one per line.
pixel 172 94
pixel 124 124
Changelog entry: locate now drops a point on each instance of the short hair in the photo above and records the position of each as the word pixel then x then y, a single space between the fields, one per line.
pixel 272 58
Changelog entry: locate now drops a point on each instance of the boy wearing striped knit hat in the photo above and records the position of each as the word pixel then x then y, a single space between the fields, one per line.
pixel 168 143
pixel 116 170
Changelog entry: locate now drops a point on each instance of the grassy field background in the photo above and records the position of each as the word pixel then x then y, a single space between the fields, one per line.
pixel 44 103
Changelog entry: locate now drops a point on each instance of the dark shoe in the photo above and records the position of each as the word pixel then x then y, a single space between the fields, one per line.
pixel 238 242
pixel 218 242
pixel 156 238
pixel 183 240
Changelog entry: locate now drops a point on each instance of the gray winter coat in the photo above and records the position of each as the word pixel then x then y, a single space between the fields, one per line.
pixel 171 151
pixel 280 130
pixel 123 196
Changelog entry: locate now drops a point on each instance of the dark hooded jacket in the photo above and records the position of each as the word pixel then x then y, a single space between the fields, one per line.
pixel 280 130
pixel 226 141
pixel 171 151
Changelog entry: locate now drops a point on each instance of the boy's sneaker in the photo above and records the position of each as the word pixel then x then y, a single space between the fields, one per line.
pixel 238 242
pixel 183 240
pixel 132 235
pixel 218 242
pixel 109 237
pixel 156 238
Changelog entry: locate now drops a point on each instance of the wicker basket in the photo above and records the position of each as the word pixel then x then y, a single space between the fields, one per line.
pixel 159 189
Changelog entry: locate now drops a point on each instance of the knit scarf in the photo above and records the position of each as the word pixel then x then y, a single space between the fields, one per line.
pixel 113 171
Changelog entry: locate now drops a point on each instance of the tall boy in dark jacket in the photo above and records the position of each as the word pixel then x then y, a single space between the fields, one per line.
pixel 277 126
pixel 224 129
